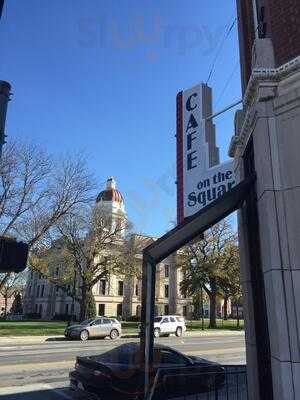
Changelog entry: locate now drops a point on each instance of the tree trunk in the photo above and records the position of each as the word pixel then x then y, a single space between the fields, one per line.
pixel 212 309
pixel 202 309
pixel 5 306
pixel 237 316
pixel 83 303
pixel 225 310
pixel 197 306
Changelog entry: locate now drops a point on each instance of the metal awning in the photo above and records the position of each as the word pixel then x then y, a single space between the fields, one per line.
pixel 172 241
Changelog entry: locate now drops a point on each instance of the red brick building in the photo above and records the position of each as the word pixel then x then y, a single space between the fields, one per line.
pixel 2 304
pixel 275 19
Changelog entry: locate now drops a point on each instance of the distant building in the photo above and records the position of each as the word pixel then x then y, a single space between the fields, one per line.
pixel 8 305
pixel 114 296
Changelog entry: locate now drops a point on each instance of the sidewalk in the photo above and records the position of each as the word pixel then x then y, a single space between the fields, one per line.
pixel 42 339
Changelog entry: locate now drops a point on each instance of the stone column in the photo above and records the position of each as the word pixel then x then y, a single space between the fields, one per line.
pixel 272 118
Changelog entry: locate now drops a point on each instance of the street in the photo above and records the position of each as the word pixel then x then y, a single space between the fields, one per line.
pixel 31 371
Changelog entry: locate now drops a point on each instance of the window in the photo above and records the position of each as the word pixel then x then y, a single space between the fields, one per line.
pixel 119 309
pixel 172 319
pixel 41 309
pixel 38 291
pixel 184 310
pixel 36 308
pixel 56 271
pixel 136 289
pixel 97 322
pixel 170 357
pixel 67 309
pixel 57 290
pixel 102 286
pixel 166 309
pixel 106 321
pixel 101 309
pixel 165 320
pixel 120 288
pixel 166 291
pixel 166 271
pixel 43 290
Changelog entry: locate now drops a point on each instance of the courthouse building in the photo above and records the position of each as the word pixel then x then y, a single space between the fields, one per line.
pixel 116 295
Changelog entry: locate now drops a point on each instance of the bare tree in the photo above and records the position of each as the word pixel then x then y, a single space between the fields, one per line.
pixel 36 192
pixel 205 263
pixel 90 243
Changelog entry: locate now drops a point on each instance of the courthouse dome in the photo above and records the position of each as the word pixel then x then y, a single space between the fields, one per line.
pixel 110 193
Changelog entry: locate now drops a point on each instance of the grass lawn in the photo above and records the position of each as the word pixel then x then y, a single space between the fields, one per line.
pixel 229 324
pixel 44 328
pixel 53 328
pixel 31 328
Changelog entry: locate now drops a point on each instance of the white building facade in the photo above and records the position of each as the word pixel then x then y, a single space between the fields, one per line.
pixel 116 295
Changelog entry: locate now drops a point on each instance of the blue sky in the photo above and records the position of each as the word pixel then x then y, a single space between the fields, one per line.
pixel 102 76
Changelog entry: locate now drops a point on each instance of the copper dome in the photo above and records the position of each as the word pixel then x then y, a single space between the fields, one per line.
pixel 110 193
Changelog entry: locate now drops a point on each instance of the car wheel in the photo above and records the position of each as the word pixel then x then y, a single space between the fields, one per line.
pixel 156 332
pixel 84 335
pixel 178 332
pixel 114 334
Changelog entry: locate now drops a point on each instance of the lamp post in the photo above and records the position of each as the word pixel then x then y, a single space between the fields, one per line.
pixel 1 7
pixel 74 296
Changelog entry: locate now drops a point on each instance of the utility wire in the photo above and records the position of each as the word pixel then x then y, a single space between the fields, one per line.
pixel 227 82
pixel 220 49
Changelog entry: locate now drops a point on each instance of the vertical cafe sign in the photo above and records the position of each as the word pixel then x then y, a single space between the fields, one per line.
pixel 201 179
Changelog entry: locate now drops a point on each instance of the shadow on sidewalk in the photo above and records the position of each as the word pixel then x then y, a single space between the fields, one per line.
pixel 58 339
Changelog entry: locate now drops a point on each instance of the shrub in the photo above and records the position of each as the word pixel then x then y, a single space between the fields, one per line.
pixel 64 317
pixel 33 316
pixel 133 318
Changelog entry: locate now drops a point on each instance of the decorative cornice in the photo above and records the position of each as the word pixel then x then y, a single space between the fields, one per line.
pixel 267 77
pixel 270 75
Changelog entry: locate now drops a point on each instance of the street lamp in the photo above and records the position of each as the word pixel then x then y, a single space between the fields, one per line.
pixel 1 7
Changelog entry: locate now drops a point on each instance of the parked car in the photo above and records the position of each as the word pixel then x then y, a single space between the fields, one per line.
pixel 91 328
pixel 119 374
pixel 166 324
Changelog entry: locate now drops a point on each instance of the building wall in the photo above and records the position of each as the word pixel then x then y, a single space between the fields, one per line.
pixel 281 24
pixel 272 118
pixel 44 298
pixel 2 304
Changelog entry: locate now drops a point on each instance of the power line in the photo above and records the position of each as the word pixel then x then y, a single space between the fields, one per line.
pixel 227 33
pixel 227 82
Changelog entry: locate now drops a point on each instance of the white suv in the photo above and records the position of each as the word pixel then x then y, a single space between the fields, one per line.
pixel 166 324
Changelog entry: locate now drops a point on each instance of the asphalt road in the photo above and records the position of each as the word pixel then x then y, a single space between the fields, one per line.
pixel 40 371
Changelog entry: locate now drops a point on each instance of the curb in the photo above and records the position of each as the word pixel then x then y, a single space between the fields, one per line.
pixel 44 339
